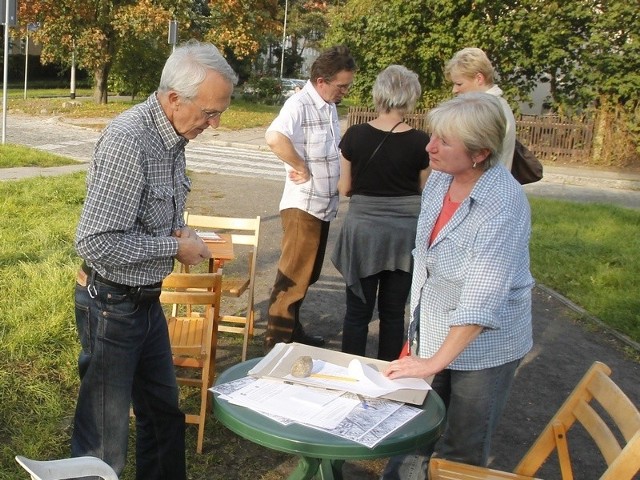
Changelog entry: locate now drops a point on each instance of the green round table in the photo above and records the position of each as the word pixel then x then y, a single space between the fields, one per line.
pixel 322 454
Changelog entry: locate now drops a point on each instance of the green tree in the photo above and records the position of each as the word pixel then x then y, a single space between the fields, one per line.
pixel 612 60
pixel 94 30
pixel 239 26
pixel 307 24
pixel 584 49
pixel 392 32
pixel 138 62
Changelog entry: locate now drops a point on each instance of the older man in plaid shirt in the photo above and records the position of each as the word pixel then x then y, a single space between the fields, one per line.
pixel 130 231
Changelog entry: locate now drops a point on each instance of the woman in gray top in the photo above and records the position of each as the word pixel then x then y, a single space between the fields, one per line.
pixel 383 169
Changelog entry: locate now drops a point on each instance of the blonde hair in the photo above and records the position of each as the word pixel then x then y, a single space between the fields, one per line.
pixel 468 62
pixel 476 119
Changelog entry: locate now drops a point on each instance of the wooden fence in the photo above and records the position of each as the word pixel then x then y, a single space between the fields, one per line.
pixel 550 138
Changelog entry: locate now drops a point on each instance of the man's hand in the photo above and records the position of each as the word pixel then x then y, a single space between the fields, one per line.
pixel 300 176
pixel 285 151
pixel 184 232
pixel 191 249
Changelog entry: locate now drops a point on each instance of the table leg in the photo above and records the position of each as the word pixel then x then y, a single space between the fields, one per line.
pixel 331 469
pixel 309 468
pixel 306 469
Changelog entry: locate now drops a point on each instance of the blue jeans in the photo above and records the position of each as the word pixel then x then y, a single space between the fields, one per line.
pixel 126 357
pixel 475 401
pixel 392 289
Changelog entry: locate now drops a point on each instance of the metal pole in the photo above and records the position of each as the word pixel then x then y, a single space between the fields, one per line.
pixel 26 63
pixel 173 34
pixel 284 36
pixel 72 94
pixel 5 75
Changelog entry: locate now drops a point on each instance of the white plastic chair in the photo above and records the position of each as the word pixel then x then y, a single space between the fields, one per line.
pixel 77 467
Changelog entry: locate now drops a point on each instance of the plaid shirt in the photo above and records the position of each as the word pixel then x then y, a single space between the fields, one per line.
pixel 136 193
pixel 312 126
pixel 476 271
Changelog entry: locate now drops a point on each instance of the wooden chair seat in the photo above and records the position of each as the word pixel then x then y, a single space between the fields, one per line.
pixel 234 287
pixel 448 470
pixel 193 331
pixel 601 407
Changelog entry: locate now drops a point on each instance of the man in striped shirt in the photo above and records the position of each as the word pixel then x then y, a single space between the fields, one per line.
pixel 305 136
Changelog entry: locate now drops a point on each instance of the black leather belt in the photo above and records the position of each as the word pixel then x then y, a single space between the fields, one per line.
pixel 138 294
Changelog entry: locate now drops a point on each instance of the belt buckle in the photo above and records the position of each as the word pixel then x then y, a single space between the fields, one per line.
pixel 86 280
pixel 82 279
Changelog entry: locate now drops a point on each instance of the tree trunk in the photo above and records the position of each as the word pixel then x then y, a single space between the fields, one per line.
pixel 100 76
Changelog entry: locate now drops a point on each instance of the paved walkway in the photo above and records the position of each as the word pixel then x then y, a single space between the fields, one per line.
pixel 579 183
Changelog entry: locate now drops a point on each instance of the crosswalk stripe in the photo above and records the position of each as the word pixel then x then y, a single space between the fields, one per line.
pixel 235 170
pixel 232 160
pixel 235 161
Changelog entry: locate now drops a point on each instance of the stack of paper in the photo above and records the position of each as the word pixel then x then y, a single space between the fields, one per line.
pixel 210 236
pixel 338 413
pixel 340 371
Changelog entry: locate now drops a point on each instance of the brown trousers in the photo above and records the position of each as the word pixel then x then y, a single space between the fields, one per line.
pixel 304 242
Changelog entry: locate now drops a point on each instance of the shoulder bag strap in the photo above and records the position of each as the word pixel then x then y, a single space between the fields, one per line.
pixel 377 148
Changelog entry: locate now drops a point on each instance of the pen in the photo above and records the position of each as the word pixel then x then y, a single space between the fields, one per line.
pixel 333 377
pixel 363 402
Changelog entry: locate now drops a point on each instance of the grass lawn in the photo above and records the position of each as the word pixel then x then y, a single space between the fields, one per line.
pixel 19 156
pixel 241 114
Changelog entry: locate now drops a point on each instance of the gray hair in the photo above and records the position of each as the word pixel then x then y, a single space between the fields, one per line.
pixel 396 87
pixel 468 62
pixel 186 68
pixel 477 119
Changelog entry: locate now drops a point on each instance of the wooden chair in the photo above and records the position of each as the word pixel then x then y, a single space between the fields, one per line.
pixel 622 459
pixel 244 232
pixel 78 467
pixel 193 332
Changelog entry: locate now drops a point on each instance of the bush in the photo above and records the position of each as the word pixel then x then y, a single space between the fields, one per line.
pixel 266 90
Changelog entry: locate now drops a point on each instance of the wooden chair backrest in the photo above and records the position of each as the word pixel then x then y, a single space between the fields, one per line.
pixel 192 334
pixel 175 288
pixel 244 231
pixel 610 417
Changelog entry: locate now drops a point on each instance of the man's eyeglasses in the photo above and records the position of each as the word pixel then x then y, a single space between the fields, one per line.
pixel 210 115
pixel 342 87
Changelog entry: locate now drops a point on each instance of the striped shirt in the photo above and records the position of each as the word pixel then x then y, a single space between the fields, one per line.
pixel 475 272
pixel 136 193
pixel 312 126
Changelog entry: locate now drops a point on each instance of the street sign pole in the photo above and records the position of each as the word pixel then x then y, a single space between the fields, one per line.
pixel 284 37
pixel 72 93
pixel 26 62
pixel 173 34
pixel 5 72
pixel 9 19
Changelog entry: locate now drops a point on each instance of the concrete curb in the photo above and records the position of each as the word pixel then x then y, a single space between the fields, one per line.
pixel 19 173
pixel 583 313
pixel 600 179
pixel 231 144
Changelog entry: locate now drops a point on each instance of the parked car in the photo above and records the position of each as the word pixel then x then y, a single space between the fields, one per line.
pixel 271 89
pixel 291 86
